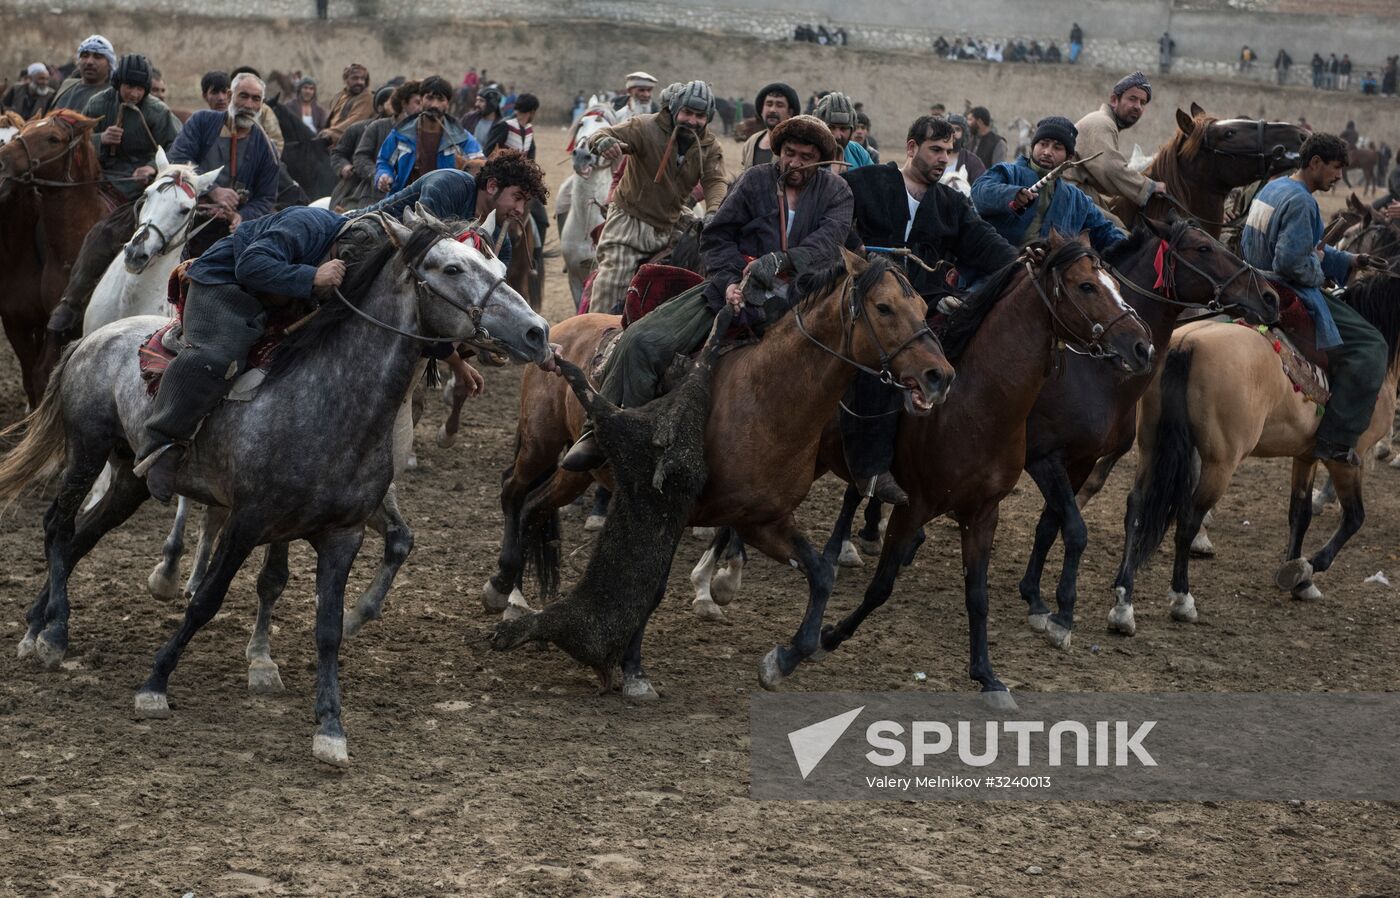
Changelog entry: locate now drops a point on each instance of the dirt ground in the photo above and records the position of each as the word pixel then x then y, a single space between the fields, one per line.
pixel 477 773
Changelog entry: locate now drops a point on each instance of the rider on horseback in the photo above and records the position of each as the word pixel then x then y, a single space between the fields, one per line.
pixel 131 124
pixel 839 115
pixel 789 216
pixel 775 104
pixel 1283 235
pixel 1101 131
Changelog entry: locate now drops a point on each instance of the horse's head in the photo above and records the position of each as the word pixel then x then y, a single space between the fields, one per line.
pixel 1239 150
pixel 461 291
pixel 1198 269
pixel 886 330
pixel 44 149
pixel 166 212
pixel 1087 308
pixel 596 117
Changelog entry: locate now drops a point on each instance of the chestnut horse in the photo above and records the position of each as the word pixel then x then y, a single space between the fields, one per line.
pixel 771 400
pixel 50 184
pixel 966 456
pixel 1209 157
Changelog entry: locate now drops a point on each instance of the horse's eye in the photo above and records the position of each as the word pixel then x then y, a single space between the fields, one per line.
pixel 1205 248
pixel 53 139
pixel 1229 132
pixel 453 270
pixel 883 308
pixel 1087 286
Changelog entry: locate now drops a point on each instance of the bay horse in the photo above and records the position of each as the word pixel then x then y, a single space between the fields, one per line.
pixel 1087 411
pixel 309 457
pixel 966 456
pixel 1223 397
pixel 761 438
pixel 50 184
pixel 1207 158
pixel 1367 160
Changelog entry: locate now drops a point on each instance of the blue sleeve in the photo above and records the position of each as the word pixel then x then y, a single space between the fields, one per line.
pixel 507 249
pixel 1102 232
pixel 470 148
pixel 386 150
pixel 262 192
pixel 1295 250
pixel 272 262
pixel 992 194
pixel 186 147
pixel 1336 264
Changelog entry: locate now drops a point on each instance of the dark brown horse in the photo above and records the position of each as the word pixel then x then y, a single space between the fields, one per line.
pixel 771 401
pixel 50 185
pixel 966 456
pixel 1209 157
pixel 525 274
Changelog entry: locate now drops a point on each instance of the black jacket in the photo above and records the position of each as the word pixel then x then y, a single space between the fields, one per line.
pixel 946 228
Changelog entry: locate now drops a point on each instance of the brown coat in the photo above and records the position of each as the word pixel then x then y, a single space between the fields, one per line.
pixel 346 110
pixel 1107 176
pixel 660 205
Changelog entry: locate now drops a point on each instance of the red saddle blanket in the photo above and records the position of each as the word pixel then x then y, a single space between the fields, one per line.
pixel 1294 320
pixel 651 286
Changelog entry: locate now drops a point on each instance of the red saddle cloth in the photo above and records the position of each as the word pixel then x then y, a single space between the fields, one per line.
pixel 1294 320
pixel 652 286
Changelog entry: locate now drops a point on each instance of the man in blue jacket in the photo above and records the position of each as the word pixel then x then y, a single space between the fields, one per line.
pixel 1004 200
pixel 1283 235
pixel 426 142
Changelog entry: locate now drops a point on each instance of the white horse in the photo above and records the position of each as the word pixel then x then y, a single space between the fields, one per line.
pixel 586 191
pixel 957 179
pixel 1018 136
pixel 136 280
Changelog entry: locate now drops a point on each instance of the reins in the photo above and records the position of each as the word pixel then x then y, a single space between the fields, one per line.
pixel 1092 346
pixel 1171 258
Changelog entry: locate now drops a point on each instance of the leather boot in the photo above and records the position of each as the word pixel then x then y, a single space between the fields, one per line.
pixel 585 455
pixel 1324 450
pixel 884 487
pixel 160 474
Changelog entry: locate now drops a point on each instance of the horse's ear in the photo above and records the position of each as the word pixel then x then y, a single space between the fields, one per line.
pixel 205 181
pixel 411 219
pixel 162 163
pixel 1158 228
pixel 426 215
pixel 855 263
pixel 1186 123
pixel 398 233
pixel 1055 239
pixel 1196 110
pixel 1354 204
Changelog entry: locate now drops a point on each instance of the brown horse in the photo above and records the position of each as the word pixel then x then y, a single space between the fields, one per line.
pixel 50 185
pixel 1366 159
pixel 771 401
pixel 966 456
pixel 1222 397
pixel 525 274
pixel 1209 157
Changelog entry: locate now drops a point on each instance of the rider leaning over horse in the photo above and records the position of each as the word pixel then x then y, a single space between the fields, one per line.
pixel 905 207
pixel 667 153
pixel 789 216
pixel 1101 131
pixel 1004 198
pixel 1283 235
pixel 273 262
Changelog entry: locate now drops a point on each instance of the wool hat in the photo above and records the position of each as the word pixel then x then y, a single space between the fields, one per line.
pixel 639 79
pixel 134 70
pixel 101 46
pixel 777 87
pixel 1136 79
pixel 806 129
pixel 1056 127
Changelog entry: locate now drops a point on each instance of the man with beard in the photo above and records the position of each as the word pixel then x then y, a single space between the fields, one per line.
pixel 639 87
pixel 96 59
pixel 668 152
pixel 1005 201
pixel 775 104
pixel 351 105
pixel 131 124
pixel 158 86
pixel 31 96
pixel 1101 131
pixel 267 121
pixel 839 115
pixel 962 156
pixel 906 207
pixel 794 188
pixel 986 144
pixel 425 142
pixel 484 115
pixel 354 158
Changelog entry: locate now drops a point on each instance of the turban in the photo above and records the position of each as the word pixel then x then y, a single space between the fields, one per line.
pixel 36 69
pixel 101 46
pixel 1136 79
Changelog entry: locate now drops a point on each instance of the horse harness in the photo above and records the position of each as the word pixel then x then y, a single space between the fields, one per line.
pixel 182 235
pixel 1267 159
pixel 1093 346
pixel 1168 257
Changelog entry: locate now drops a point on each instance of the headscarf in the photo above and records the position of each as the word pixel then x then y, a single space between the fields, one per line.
pixel 100 45
pixel 37 68
pixel 1136 79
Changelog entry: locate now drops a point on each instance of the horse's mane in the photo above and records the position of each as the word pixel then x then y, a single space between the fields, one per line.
pixel 1182 147
pixel 1377 299
pixel 1123 251
pixel 814 287
pixel 11 119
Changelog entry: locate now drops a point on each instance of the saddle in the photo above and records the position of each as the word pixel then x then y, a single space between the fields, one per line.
pixel 1294 339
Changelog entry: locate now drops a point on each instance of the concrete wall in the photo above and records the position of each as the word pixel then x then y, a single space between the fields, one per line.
pixel 555 59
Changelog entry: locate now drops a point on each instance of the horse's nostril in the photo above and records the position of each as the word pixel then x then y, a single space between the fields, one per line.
pixel 1144 351
pixel 535 336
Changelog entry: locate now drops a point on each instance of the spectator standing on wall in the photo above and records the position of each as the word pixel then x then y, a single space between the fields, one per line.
pixel 1344 72
pixel 1369 84
pixel 1318 68
pixel 1282 63
pixel 1076 42
pixel 940 46
pixel 1388 76
pixel 995 54
pixel 1334 68
pixel 1246 58
pixel 1166 49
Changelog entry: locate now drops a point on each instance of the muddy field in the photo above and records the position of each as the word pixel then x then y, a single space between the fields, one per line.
pixel 475 773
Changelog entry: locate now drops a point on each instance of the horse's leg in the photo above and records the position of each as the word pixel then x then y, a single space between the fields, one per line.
pixel 781 540
pixel 868 540
pixel 848 555
pixel 455 395
pixel 335 553
pixel 263 675
pixel 21 337
pixel 1348 482
pixel 503 591
pixel 977 536
pixel 704 605
pixel 214 518
pixel 1099 476
pixel 1295 574
pixel 1120 616
pixel 900 542
pixel 1324 496
pixel 635 684
pixel 835 552
pixel 1214 478
pixel 398 542
pixel 164 581
pixel 236 541
pixel 1054 482
pixel 725 586
pixel 599 515
pixel 1047 528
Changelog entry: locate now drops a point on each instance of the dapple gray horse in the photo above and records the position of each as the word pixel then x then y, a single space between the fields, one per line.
pixel 309 457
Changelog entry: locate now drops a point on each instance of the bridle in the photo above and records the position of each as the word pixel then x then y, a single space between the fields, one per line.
pixel 34 164
pixel 1268 159
pixel 1169 257
pixel 1093 345
pixel 183 234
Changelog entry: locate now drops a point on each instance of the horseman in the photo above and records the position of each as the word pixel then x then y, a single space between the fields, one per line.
pixel 839 115
pixel 790 216
pixel 906 207
pixel 131 124
pixel 775 104
pixel 516 132
pixel 426 142
pixel 1283 235
pixel 354 157
pixel 1102 132
pixel 1004 198
pixel 96 60
pixel 668 152
pixel 963 157
pixel 636 97
pixel 352 104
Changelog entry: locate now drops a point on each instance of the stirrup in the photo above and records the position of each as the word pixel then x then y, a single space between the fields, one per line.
pixel 145 464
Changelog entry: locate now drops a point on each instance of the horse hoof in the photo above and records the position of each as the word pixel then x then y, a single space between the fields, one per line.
pixel 724 588
pixel 517 610
pixel 444 438
pixel 26 647
pixel 1058 636
pixel 707 609
pixel 163 586
pixel 595 523
pixel 868 546
pixel 1307 591
pixel 47 654
pixel 332 750
pixel 152 705
pixel 412 461
pixel 704 534
pixel 1292 573
pixel 1037 622
pixel 264 677
pixel 638 689
pixel 818 654
pixel 353 623
pixel 494 600
pixel 999 700
pixel 849 556
pixel 1383 450
pixel 1395 462
pixel 1183 607
pixel 1202 547
pixel 1120 619
pixel 769 673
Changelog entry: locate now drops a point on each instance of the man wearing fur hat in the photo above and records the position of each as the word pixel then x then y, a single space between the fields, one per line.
pixel 637 99
pixel 794 188
pixel 96 60
pixel 1005 201
pixel 667 153
pixel 776 103
pixel 1101 131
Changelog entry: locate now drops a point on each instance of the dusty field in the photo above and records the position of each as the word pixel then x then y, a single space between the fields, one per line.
pixel 483 774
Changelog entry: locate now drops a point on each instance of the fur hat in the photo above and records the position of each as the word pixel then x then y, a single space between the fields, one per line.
pixel 1056 127
pixel 777 87
pixel 806 129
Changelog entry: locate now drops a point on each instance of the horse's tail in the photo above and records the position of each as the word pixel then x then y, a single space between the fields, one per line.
pixel 42 441
pixel 1171 480
pixel 539 541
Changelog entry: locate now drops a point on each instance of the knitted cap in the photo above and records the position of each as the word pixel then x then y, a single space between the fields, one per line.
pixel 1056 127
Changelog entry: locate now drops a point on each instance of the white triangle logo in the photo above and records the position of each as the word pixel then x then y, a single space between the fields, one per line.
pixel 811 743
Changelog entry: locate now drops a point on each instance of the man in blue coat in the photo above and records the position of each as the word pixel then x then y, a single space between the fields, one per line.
pixel 426 142
pixel 1283 235
pixel 1004 200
